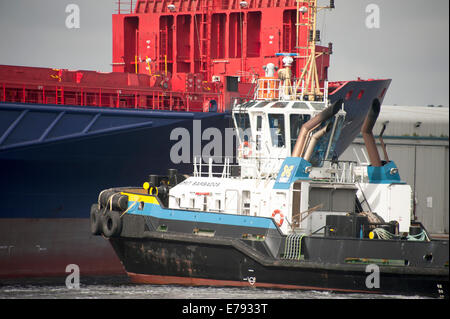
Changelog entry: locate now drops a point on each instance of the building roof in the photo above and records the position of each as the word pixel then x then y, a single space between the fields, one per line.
pixel 415 121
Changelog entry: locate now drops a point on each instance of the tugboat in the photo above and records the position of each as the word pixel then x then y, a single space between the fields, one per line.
pixel 289 215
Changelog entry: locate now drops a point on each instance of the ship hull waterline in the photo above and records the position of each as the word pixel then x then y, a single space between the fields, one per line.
pixel 164 261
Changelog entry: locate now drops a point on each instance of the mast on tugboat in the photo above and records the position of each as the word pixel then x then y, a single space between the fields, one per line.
pixel 309 79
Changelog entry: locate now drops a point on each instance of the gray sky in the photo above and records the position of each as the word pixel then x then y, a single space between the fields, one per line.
pixel 411 45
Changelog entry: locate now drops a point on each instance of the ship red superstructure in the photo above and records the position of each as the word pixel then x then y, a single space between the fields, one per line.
pixel 209 37
pixel 183 55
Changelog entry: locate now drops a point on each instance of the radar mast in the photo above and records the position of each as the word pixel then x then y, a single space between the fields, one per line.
pixel 308 81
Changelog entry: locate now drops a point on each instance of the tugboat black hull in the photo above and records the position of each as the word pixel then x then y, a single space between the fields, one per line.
pixel 157 257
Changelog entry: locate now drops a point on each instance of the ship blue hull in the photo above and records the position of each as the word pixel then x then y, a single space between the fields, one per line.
pixel 48 181
pixel 59 177
pixel 54 160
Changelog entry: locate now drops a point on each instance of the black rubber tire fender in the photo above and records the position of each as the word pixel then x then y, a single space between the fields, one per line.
pixel 95 220
pixel 112 224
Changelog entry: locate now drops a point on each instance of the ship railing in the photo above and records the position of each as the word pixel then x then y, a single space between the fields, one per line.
pixel 288 92
pixel 259 167
pixel 342 172
pixel 325 92
pixel 213 167
pixel 271 88
pixel 274 89
pixel 268 88
pixel 138 98
pixel 264 168
pixel 301 95
pixel 224 167
pixel 125 7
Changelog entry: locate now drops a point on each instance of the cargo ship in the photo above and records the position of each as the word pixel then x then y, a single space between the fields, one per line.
pixel 67 134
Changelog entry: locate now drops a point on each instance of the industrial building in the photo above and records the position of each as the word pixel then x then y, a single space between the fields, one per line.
pixel 417 140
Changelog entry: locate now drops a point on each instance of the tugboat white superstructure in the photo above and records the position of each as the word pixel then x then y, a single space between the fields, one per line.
pixel 267 131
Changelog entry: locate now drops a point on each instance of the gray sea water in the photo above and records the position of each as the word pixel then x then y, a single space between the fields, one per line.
pixel 120 288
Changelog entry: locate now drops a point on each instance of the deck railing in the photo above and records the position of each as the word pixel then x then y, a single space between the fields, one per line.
pixel 125 7
pixel 212 169
pixel 107 97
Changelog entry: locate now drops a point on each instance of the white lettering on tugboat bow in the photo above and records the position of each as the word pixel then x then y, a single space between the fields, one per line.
pixel 197 183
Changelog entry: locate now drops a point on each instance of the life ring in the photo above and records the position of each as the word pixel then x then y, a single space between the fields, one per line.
pixel 245 149
pixel 275 213
pixel 270 94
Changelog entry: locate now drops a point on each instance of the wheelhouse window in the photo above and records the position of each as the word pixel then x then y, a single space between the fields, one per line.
pixel 277 130
pixel 296 121
pixel 259 120
pixel 248 104
pixel 325 147
pixel 243 126
pixel 300 105
pixel 262 104
pixel 279 105
pixel 259 123
pixel 330 154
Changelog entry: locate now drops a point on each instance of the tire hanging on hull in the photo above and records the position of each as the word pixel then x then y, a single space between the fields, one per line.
pixel 108 223
pixel 112 224
pixel 95 220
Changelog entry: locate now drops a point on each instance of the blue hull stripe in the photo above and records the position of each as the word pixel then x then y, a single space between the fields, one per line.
pixel 203 217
